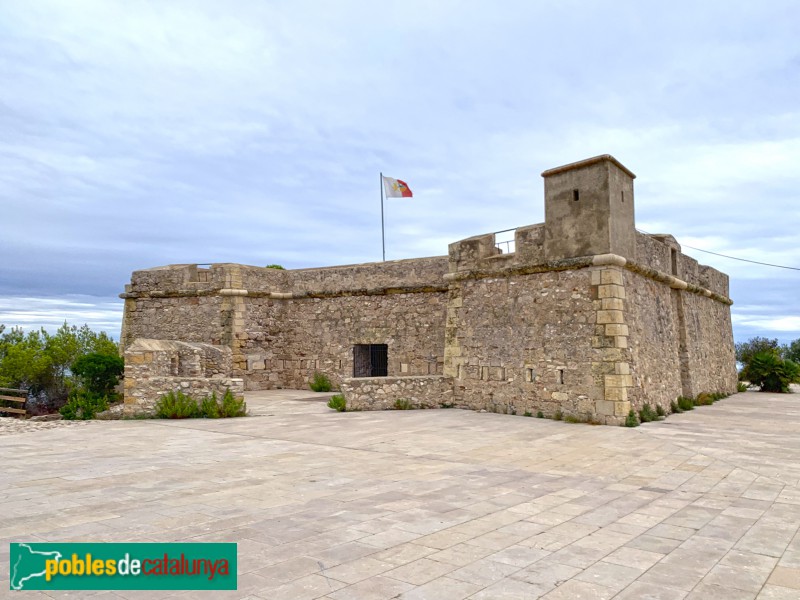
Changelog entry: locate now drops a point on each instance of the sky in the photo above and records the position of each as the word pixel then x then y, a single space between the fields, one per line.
pixel 142 133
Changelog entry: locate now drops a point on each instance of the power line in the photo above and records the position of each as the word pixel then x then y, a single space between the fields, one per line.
pixel 755 262
pixel 741 259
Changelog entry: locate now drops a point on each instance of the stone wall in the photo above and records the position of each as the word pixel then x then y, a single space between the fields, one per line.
pixel 587 317
pixel 156 367
pixel 710 359
pixel 383 393
pixel 287 341
pixel 523 344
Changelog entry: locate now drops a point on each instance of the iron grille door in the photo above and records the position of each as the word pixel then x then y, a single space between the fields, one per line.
pixel 379 360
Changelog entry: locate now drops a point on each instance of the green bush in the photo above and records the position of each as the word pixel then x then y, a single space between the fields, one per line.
pixel 279 267
pixel 337 402
pixel 685 403
pixel 558 415
pixel 232 406
pixel 631 420
pixel 321 383
pixel 673 407
pixel 209 407
pixel 704 399
pixel 770 372
pixel 403 404
pixel 540 415
pixel 574 419
pixel 83 405
pixel 176 405
pixel 660 411
pixel 99 373
pixel 741 387
pixel 40 362
pixel 647 413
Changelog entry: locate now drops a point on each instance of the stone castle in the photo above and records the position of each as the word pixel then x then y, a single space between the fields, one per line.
pixel 587 317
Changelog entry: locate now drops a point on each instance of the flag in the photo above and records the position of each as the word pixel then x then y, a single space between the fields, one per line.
pixel 396 189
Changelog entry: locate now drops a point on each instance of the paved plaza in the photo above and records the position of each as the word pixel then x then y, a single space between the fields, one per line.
pixel 434 504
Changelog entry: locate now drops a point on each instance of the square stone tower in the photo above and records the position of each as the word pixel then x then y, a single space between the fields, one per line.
pixel 588 207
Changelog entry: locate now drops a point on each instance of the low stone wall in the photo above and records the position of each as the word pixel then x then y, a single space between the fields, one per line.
pixel 156 367
pixel 142 397
pixel 382 393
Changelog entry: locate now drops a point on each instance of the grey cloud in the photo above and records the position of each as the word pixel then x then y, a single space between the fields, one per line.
pixel 136 135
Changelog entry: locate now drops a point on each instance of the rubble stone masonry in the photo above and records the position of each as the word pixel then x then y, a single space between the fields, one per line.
pixel 586 317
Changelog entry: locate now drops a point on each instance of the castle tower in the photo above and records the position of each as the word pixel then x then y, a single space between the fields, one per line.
pixel 588 207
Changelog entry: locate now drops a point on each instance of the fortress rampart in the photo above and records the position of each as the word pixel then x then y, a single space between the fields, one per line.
pixel 587 316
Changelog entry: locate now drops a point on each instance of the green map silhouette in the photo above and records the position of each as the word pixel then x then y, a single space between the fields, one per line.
pixel 27 563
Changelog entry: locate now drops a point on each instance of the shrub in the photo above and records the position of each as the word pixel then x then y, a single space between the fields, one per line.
pixel 403 404
pixel 209 407
pixel 770 372
pixel 741 387
pixel 573 419
pixel 704 399
pixel 673 407
pixel 83 405
pixel 176 405
pixel 232 406
pixel 321 383
pixel 279 267
pixel 558 415
pixel 40 362
pixel 337 402
pixel 99 373
pixel 631 420
pixel 647 414
pixel 660 411
pixel 527 413
pixel 685 403
pixel 540 415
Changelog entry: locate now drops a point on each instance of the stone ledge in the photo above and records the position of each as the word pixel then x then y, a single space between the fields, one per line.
pixel 581 262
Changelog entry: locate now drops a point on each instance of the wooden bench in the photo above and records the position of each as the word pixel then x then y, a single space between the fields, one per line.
pixel 18 397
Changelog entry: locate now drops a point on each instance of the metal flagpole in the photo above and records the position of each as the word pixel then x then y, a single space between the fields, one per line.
pixel 383 234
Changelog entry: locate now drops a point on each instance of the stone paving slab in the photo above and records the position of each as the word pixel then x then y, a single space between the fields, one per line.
pixel 432 504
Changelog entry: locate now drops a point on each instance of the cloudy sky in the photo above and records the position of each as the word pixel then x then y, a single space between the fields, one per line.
pixel 135 134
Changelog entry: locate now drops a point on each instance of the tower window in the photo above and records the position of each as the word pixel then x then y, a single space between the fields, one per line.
pixel 576 195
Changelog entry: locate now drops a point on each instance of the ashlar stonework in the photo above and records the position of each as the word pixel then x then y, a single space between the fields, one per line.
pixel 587 316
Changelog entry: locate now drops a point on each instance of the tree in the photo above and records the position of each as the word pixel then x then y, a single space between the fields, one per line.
pixel 746 350
pixel 792 351
pixel 770 372
pixel 99 373
pixel 40 362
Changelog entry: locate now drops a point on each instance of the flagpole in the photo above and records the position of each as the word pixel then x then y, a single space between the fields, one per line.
pixel 383 233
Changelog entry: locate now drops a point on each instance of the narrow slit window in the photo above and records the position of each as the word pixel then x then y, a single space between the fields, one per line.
pixel 576 195
pixel 622 195
pixel 560 376
pixel 530 374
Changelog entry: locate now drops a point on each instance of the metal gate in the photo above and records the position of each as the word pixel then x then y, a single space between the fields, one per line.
pixel 370 360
